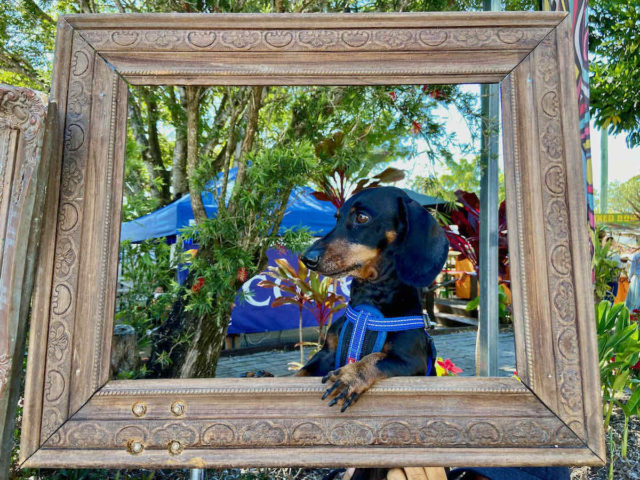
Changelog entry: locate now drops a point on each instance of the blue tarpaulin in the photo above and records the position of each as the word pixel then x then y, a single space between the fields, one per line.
pixel 303 210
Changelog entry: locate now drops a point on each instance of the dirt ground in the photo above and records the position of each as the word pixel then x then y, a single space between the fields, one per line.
pixel 623 469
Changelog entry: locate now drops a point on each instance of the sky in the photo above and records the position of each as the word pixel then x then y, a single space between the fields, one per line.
pixel 624 162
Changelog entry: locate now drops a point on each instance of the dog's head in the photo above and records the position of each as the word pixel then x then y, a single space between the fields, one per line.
pixel 377 226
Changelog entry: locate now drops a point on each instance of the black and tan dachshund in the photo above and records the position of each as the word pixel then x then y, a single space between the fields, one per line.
pixel 390 246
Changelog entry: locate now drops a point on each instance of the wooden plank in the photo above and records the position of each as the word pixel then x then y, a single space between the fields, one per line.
pixel 484 412
pixel 244 21
pixel 68 240
pixel 265 65
pixel 587 339
pixel 23 175
pixel 38 335
pixel 532 247
pixel 327 457
pixel 512 184
pixel 97 267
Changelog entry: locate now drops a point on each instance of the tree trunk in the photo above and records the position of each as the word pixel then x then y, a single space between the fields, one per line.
pixel 179 173
pixel 177 107
pixel 249 137
pixel 154 146
pixel 202 356
pixel 193 123
pixel 138 130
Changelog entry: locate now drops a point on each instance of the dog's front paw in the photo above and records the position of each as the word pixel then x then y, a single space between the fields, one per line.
pixel 348 384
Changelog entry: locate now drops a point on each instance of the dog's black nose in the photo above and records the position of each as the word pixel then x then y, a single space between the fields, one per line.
pixel 311 257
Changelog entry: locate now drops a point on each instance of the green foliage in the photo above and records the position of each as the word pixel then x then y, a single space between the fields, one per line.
pixel 618 353
pixel 232 246
pixel 605 268
pixel 462 174
pixel 305 290
pixel 621 195
pixel 614 44
pixel 504 307
pixel 27 29
pixel 145 267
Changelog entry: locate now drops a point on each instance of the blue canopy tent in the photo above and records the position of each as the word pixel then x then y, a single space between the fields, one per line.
pixel 303 210
pixel 252 313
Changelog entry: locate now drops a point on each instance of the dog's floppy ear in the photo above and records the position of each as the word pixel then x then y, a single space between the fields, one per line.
pixel 422 247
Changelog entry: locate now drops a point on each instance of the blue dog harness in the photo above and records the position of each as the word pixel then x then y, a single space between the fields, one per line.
pixel 368 331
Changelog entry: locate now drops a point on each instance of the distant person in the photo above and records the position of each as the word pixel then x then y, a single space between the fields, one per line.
pixel 623 285
pixel 612 294
pixel 633 295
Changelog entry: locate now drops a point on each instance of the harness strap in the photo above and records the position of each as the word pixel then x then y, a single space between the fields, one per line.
pixel 363 320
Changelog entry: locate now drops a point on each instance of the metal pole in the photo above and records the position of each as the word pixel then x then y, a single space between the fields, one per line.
pixel 487 342
pixel 197 474
pixel 604 170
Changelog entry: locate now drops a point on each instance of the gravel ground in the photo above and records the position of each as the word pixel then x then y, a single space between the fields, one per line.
pixel 623 469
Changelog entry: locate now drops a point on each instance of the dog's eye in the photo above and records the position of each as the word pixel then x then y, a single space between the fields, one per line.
pixel 362 218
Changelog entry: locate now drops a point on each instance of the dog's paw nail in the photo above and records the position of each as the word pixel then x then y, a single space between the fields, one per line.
pixel 333 402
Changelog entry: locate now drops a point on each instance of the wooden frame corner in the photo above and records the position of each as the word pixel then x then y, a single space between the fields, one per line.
pixel 76 417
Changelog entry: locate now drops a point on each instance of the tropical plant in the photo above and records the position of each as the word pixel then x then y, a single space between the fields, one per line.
pixel 618 352
pixel 463 174
pixel 446 368
pixel 623 197
pixel 146 291
pixel 306 291
pixel 504 307
pixel 465 236
pixel 605 268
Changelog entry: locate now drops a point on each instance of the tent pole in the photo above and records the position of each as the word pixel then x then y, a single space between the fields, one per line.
pixel 487 340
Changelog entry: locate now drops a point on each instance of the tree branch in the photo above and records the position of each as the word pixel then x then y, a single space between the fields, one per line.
pixel 10 63
pixel 139 133
pixel 35 8
pixel 231 147
pixel 177 107
pixel 220 119
pixel 193 110
pixel 249 137
pixel 154 143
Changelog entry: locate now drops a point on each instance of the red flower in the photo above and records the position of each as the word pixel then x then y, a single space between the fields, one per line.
pixel 393 96
pixel 198 285
pixel 416 128
pixel 449 367
pixel 636 366
pixel 436 94
pixel 242 274
pixel 282 250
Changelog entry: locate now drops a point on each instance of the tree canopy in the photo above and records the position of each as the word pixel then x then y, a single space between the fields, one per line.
pixel 614 45
pixel 181 138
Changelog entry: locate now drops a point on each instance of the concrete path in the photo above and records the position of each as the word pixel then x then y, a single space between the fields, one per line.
pixel 459 347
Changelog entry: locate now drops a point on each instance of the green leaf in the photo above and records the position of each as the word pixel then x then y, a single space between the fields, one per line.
pixel 620 381
pixel 473 304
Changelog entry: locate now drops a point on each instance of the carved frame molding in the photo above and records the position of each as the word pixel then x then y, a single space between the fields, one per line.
pixel 75 417
pixel 22 138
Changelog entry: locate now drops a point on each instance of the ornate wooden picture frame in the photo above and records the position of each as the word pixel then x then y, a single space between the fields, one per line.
pixel 75 417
